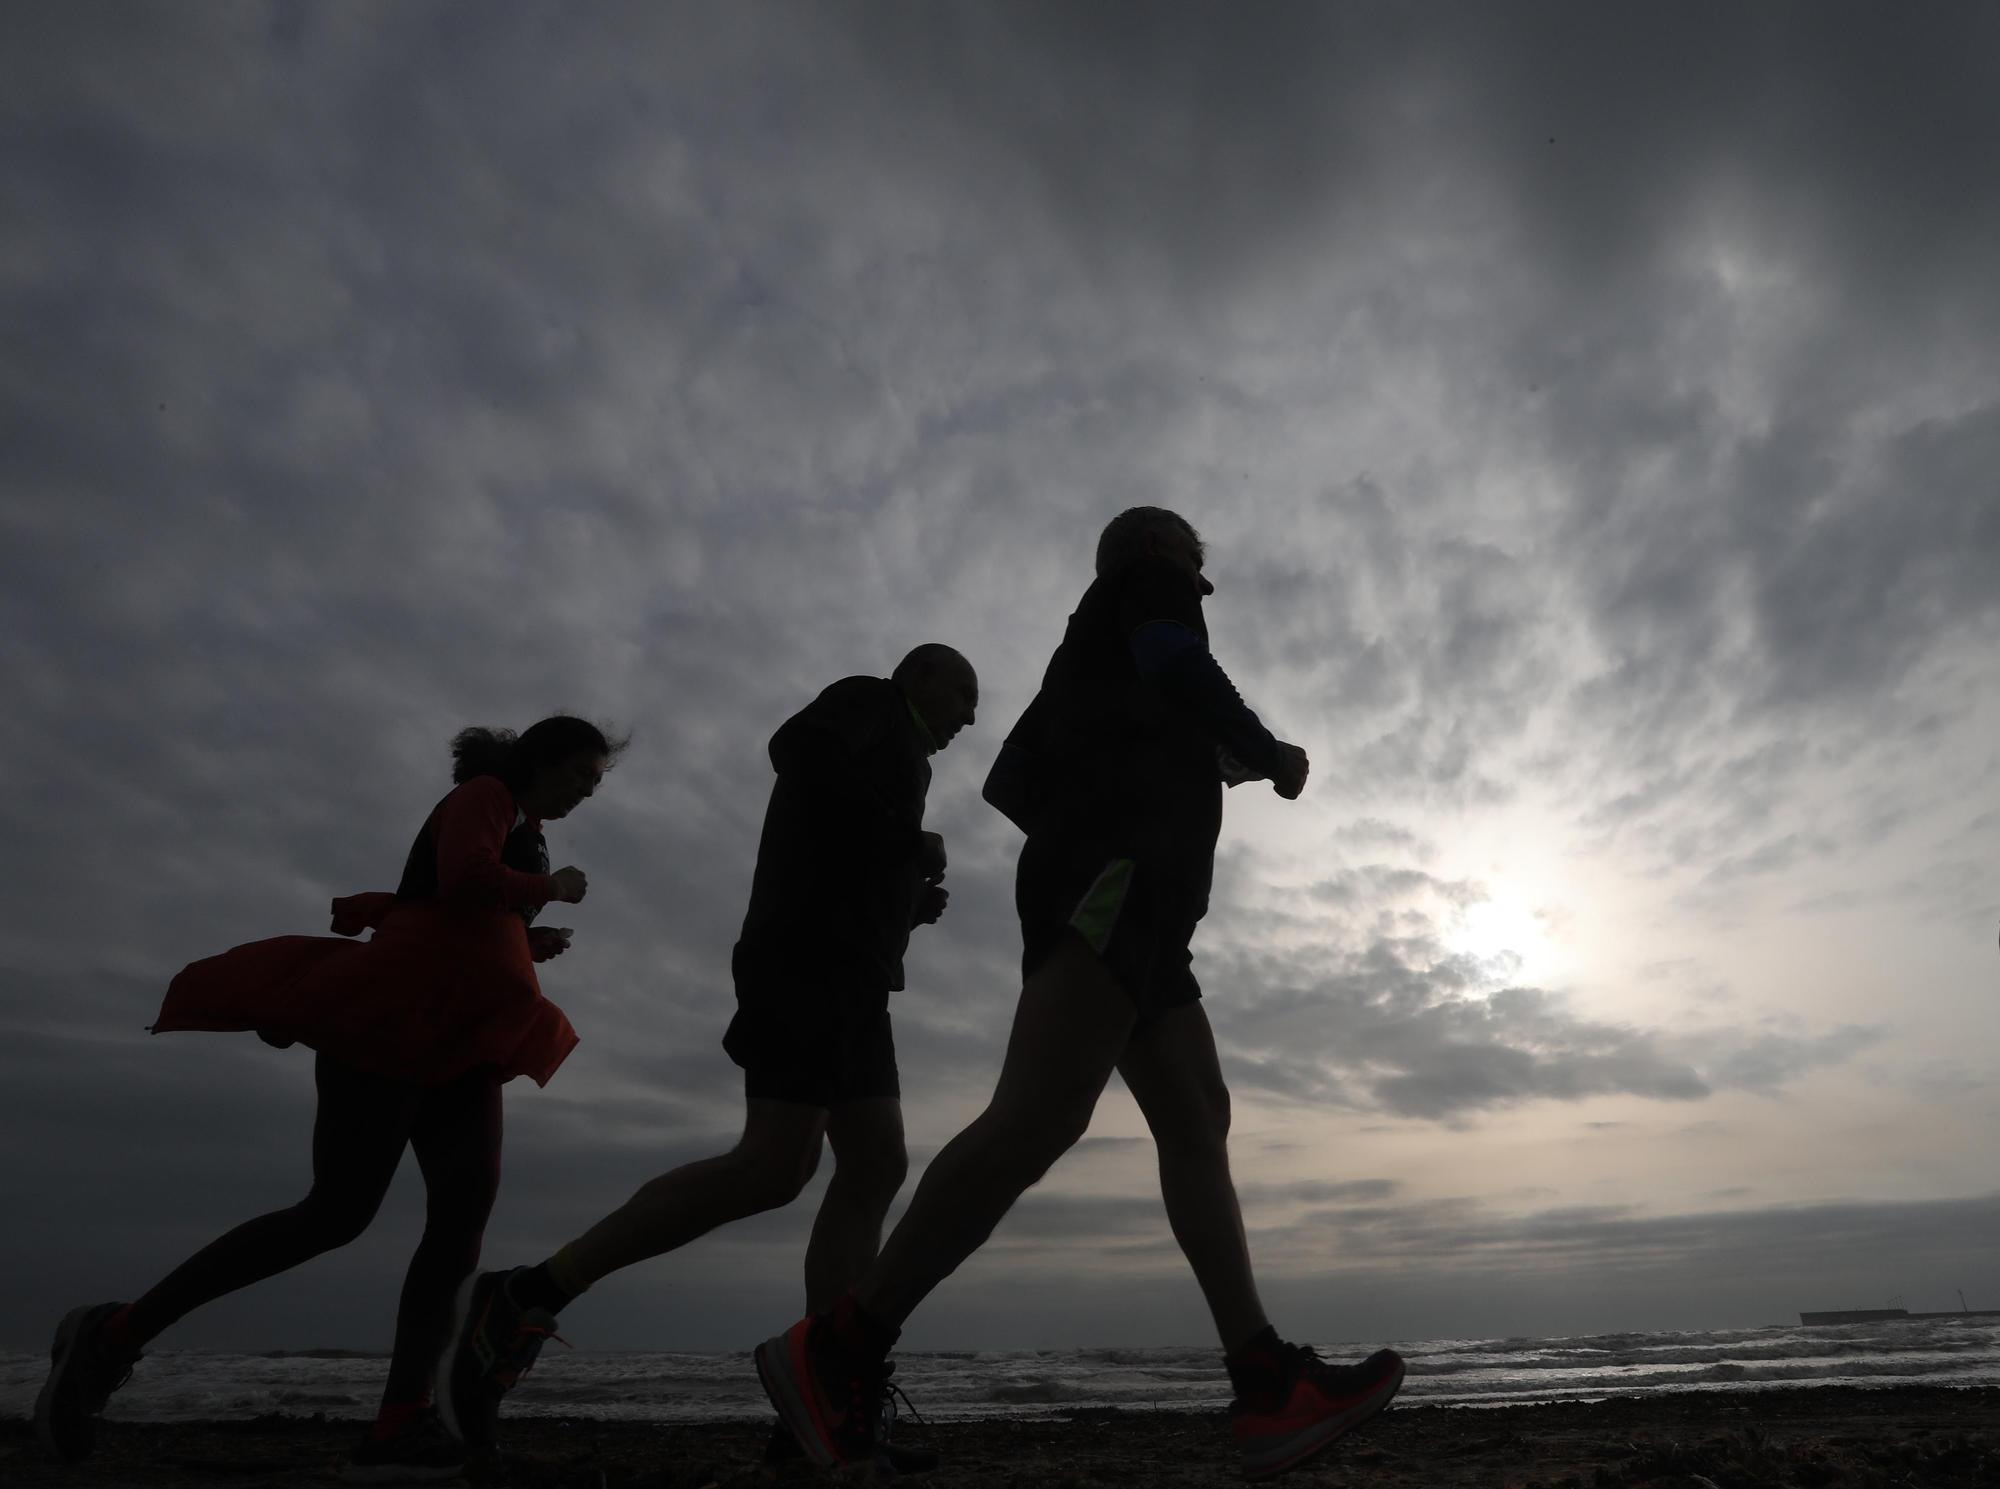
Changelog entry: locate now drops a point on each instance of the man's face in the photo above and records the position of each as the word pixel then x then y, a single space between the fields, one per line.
pixel 1178 547
pixel 947 695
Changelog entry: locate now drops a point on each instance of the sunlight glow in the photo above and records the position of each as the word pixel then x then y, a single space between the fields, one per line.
pixel 1508 929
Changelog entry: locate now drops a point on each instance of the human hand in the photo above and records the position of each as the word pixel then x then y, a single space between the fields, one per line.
pixel 930 904
pixel 930 856
pixel 569 884
pixel 546 942
pixel 1293 768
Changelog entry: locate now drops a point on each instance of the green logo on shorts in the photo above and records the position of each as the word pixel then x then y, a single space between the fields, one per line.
pixel 1096 914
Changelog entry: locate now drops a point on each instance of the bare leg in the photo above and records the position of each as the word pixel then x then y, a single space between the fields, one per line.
pixel 766 1169
pixel 869 1163
pixel 1173 1074
pixel 1069 1028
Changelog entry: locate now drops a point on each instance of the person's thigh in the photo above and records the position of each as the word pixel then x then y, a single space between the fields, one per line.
pixel 457 1140
pixel 1072 1022
pixel 1171 1068
pixel 1136 913
pixel 360 1128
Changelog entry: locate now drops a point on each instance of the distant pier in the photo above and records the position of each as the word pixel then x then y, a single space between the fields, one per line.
pixel 1883 1315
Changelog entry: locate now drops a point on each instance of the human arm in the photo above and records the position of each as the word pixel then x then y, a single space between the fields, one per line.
pixel 1176 657
pixel 472 827
pixel 1013 787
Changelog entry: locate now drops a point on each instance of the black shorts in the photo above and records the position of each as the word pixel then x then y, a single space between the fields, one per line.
pixel 801 1041
pixel 1138 913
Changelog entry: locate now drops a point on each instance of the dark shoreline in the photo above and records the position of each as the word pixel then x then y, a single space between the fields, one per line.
pixel 1935 1437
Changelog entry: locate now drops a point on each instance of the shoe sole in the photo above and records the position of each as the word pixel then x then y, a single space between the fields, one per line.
pixel 390 1473
pixel 1268 1462
pixel 780 1381
pixel 61 1350
pixel 461 1319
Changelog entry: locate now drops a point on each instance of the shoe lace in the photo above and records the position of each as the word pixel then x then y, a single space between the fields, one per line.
pixel 523 1350
pixel 111 1373
pixel 1304 1362
pixel 888 1393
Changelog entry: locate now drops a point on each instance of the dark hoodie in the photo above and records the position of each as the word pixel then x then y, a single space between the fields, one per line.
pixel 837 880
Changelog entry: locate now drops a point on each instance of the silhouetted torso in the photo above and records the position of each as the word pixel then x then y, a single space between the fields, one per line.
pixel 1117 760
pixel 525 851
pixel 836 875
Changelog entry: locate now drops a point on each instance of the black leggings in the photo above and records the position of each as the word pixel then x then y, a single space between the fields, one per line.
pixel 362 1125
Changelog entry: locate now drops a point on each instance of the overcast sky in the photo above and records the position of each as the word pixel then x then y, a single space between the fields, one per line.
pixel 1594 416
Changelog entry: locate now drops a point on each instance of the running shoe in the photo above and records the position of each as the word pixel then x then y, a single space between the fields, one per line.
pixel 421 1451
pixel 901 1457
pixel 83 1372
pixel 1317 1404
pixel 493 1345
pixel 830 1399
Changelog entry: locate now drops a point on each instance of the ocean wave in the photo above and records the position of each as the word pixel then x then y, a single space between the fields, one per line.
pixel 958 1384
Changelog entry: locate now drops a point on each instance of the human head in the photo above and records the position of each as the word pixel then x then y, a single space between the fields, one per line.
pixel 551 766
pixel 1155 532
pixel 941 686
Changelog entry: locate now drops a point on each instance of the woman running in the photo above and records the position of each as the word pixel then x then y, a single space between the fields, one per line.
pixel 416 1030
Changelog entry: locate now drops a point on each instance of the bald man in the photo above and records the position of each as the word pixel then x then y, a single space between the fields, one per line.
pixel 844 872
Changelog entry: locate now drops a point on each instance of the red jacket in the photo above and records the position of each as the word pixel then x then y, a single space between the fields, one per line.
pixel 446 984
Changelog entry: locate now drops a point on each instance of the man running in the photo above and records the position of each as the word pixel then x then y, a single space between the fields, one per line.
pixel 1115 773
pixel 844 871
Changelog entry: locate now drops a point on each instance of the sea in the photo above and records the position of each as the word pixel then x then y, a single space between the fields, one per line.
pixel 947 1385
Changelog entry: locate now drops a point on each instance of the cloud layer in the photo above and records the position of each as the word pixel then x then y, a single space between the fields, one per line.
pixel 1593 417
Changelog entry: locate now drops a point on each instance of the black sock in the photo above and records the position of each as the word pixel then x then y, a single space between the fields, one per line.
pixel 1257 1367
pixel 534 1287
pixel 858 1331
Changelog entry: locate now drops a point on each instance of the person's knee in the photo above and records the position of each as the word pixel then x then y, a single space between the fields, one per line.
pixel 1201 1129
pixel 1216 1113
pixel 334 1219
pixel 772 1177
pixel 1031 1140
pixel 457 1230
pixel 451 1249
pixel 878 1167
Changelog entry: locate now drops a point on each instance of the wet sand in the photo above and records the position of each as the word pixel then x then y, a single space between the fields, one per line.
pixel 1788 1439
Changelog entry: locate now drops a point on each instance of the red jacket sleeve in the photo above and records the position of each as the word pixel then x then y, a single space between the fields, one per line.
pixel 473 823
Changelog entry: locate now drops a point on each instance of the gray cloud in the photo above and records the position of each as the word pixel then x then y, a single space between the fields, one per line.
pixel 1369 1009
pixel 1587 411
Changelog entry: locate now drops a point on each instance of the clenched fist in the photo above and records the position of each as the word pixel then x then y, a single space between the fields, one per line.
pixel 1293 767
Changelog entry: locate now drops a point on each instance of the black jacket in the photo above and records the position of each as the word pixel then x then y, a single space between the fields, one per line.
pixel 837 879
pixel 1105 752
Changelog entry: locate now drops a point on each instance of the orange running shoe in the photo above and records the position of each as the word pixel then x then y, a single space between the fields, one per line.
pixel 830 1398
pixel 1317 1404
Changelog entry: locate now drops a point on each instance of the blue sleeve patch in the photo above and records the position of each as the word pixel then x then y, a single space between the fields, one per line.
pixel 1158 642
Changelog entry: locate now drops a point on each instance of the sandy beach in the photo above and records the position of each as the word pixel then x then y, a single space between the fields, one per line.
pixel 1830 1436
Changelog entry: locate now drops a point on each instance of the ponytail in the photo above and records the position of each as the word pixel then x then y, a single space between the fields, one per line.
pixel 481 752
